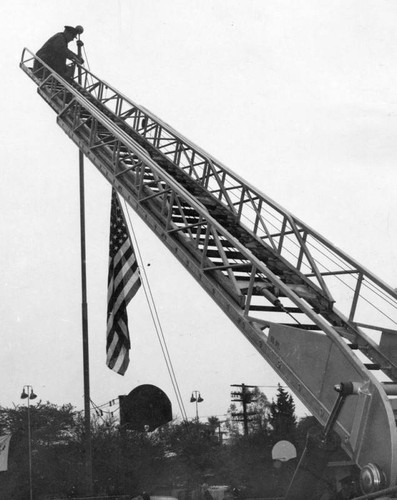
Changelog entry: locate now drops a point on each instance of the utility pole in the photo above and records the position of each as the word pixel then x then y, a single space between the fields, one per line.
pixel 245 398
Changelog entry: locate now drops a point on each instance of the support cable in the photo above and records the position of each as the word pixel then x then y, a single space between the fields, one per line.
pixel 86 59
pixel 157 324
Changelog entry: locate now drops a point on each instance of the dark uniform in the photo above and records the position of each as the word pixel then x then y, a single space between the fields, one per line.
pixel 55 51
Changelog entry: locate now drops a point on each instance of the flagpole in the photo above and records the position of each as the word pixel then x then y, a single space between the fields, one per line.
pixel 87 419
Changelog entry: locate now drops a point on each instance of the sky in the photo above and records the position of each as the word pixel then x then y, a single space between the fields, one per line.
pixel 296 96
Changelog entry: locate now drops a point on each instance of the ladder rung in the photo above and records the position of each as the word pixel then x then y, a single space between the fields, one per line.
pixel 275 309
pixel 239 267
pixel 372 366
pixel 302 326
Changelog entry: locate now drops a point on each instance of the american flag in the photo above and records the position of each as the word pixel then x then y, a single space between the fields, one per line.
pixel 123 283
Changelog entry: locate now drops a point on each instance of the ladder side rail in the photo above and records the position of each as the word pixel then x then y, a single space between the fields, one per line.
pixel 297 223
pixel 110 124
pixel 126 139
pixel 210 170
pixel 375 353
pixel 241 182
pixel 144 157
pixel 241 185
pixel 298 227
pixel 198 167
pixel 217 228
pixel 209 166
pixel 83 100
pixel 142 193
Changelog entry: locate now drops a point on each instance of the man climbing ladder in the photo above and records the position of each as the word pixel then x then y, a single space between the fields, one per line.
pixel 55 52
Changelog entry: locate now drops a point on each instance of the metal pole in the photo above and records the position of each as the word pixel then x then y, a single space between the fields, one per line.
pixel 87 420
pixel 30 450
pixel 320 445
pixel 27 392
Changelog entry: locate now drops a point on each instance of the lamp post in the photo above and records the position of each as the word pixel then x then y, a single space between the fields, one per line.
pixel 27 393
pixel 196 398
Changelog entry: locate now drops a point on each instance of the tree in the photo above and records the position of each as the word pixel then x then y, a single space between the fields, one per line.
pixel 52 429
pixel 213 422
pixel 49 422
pixel 282 417
pixel 130 461
pixel 257 416
pixel 231 424
pixel 214 425
pixel 260 406
pixel 194 444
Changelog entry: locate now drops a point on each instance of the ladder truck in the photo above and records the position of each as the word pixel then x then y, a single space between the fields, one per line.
pixel 323 322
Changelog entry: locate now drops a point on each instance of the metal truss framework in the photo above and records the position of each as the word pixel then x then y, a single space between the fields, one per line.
pixel 264 267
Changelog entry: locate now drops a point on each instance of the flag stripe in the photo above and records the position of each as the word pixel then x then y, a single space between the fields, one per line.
pixel 123 283
pixel 125 295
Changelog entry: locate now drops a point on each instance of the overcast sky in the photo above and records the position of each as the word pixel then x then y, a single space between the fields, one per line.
pixel 297 97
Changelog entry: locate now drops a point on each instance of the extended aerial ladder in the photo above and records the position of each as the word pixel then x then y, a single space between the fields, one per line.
pixel 316 315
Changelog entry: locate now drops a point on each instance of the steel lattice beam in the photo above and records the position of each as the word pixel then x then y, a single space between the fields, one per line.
pixel 237 244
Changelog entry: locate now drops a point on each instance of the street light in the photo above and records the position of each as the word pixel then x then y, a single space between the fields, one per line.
pixel 196 398
pixel 27 393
